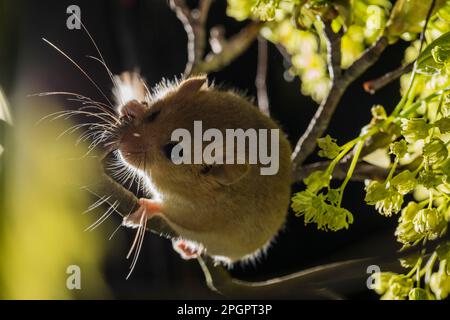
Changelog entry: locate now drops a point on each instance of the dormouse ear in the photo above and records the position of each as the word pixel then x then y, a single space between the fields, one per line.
pixel 228 174
pixel 193 85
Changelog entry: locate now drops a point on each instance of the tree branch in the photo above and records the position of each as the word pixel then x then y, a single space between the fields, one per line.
pixel 362 171
pixel 194 25
pixel 230 49
pixel 329 281
pixel 224 51
pixel 333 51
pixel 339 83
pixel 367 59
pixel 318 124
pixel 261 77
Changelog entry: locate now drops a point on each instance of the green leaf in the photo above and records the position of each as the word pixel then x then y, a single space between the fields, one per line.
pixel 333 196
pixel 435 151
pixel 375 192
pixel 405 232
pixel 430 60
pixel 430 222
pixel 386 200
pixel 430 179
pixel 329 147
pixel 335 219
pixel 415 129
pixel 309 205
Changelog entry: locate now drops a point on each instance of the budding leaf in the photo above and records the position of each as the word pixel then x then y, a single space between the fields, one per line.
pixel 375 192
pixel 386 200
pixel 430 223
pixel 329 147
pixel 429 179
pixel 404 182
pixel 314 209
pixel 435 151
pixel 309 205
pixel 336 218
pixel 317 180
pixel 333 196
pixel 415 129
pixel 405 232
pixel 399 148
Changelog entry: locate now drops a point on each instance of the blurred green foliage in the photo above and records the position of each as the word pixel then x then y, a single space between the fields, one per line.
pixel 41 214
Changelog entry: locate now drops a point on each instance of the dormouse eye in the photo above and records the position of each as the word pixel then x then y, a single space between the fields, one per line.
pixel 167 149
pixel 152 116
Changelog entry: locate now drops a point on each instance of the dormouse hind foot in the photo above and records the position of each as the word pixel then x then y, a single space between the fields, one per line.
pixel 147 209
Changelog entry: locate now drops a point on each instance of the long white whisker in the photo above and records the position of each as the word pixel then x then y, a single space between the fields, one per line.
pixel 98 50
pixel 97 203
pixel 65 93
pixel 114 232
pixel 105 216
pixel 102 61
pixel 79 68
pixel 143 226
pixel 141 239
pixel 136 237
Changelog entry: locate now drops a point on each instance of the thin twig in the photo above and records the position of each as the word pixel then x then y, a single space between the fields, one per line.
pixel 319 122
pixel 194 25
pixel 328 281
pixel 374 85
pixel 261 77
pixel 231 49
pixel 333 51
pixel 286 56
pixel 194 22
pixel 366 60
pixel 339 83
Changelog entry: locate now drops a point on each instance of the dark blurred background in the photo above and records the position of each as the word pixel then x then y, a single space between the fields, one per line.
pixel 147 35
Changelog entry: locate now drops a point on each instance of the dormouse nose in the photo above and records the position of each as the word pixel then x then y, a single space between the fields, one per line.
pixel 133 109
